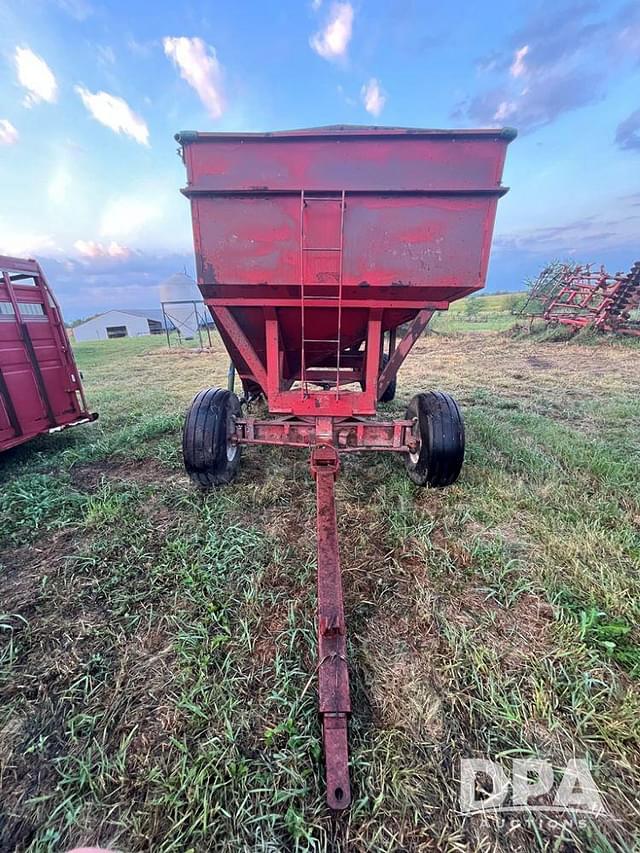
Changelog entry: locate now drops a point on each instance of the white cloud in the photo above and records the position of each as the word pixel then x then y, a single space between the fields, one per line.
pixel 505 109
pixel 91 249
pixel 59 184
pixel 25 244
pixel 315 4
pixel 115 113
pixel 518 67
pixel 140 48
pixel 8 134
pixel 373 97
pixel 106 54
pixel 78 9
pixel 199 66
pixel 127 215
pixel 36 77
pixel 332 42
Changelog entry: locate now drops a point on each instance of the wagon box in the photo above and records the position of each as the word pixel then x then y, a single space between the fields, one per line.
pixel 312 248
pixel 40 386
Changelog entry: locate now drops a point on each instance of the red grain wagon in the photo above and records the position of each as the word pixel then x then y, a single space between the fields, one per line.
pixel 313 247
pixel 40 387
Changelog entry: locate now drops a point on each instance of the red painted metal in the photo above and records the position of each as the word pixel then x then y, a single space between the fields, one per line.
pixel 312 246
pixel 40 387
pixel 399 353
pixel 348 434
pixel 333 673
pixel 333 224
pixel 586 297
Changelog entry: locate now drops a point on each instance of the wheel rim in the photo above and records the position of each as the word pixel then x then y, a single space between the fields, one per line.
pixel 415 432
pixel 232 447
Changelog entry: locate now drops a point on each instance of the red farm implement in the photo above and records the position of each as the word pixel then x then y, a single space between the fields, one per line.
pixel 40 387
pixel 580 297
pixel 313 247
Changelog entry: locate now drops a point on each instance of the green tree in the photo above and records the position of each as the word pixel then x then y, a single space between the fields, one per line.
pixel 471 307
pixel 513 302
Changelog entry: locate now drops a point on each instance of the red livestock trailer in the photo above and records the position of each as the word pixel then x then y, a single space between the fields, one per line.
pixel 313 247
pixel 40 387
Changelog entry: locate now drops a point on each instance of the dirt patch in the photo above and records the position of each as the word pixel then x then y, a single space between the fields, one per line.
pixel 24 571
pixel 143 688
pixel 402 685
pixel 87 478
pixel 272 623
pixel 516 633
pixel 290 525
pixel 456 550
pixel 539 363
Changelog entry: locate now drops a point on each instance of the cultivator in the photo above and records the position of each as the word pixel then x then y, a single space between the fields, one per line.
pixel 313 248
pixel 580 297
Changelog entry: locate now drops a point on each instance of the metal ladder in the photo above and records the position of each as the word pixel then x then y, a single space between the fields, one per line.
pixel 307 300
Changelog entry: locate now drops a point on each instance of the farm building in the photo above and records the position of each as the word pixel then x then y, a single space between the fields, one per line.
pixel 124 323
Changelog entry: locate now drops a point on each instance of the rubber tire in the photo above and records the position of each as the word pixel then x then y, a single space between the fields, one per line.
pixel 204 438
pixel 390 393
pixel 441 428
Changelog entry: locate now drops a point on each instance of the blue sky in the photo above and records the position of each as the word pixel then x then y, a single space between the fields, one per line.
pixel 92 92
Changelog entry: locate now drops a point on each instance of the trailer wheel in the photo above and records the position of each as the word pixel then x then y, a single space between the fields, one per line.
pixel 390 391
pixel 439 428
pixel 209 457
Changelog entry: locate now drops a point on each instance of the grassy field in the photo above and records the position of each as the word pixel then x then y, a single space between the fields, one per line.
pixel 491 312
pixel 158 644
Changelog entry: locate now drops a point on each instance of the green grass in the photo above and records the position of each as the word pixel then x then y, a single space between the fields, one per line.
pixel 491 312
pixel 496 303
pixel 157 645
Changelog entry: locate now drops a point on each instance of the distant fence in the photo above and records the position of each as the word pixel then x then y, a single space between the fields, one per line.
pixel 188 317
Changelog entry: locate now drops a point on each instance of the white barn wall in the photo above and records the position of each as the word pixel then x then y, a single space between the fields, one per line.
pixel 96 329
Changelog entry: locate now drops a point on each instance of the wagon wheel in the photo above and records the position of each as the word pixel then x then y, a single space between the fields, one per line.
pixel 390 391
pixel 210 457
pixel 439 428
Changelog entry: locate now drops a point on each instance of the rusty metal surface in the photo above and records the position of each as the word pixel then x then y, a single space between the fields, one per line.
pixel 370 159
pixel 587 297
pixel 333 674
pixel 345 434
pixel 40 387
pixel 327 225
pixel 400 352
pixel 410 242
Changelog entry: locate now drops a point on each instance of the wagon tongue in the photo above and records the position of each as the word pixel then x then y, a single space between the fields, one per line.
pixel 333 674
